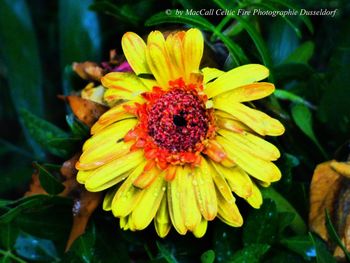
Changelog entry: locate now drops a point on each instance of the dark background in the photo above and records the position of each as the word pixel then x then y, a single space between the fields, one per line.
pixel 309 59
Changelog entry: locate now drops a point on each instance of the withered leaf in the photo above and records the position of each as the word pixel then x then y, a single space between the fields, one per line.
pixel 86 111
pixel 85 202
pixel 325 185
pixel 330 190
pixel 88 70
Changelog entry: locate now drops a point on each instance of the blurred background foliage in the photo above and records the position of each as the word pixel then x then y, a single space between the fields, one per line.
pixel 309 59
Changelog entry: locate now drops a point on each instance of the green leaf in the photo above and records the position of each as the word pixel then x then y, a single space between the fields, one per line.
pixel 83 247
pixel 250 254
pixel 334 236
pixel 123 12
pixel 302 116
pixel 26 204
pixel 78 129
pixel 287 95
pixel 258 41
pixel 22 205
pixel 266 230
pixel 302 54
pixel 282 205
pixel 227 240
pixel 306 20
pixel 254 34
pixel 268 6
pixel 322 253
pixel 35 249
pixel 8 235
pixel 106 237
pixel 21 61
pixel 9 257
pixel 43 216
pixel 65 144
pixel 208 256
pixel 286 163
pixel 334 110
pixel 49 182
pixel 285 219
pixel 42 132
pixel 165 253
pixel 282 255
pixel 6 147
pixel 79 32
pixel 281 41
pixel 197 21
pixel 301 245
pixel 293 71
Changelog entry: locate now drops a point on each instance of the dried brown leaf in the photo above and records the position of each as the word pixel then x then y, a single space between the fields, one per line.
pixel 330 189
pixel 84 204
pixel 35 187
pixel 325 185
pixel 86 111
pixel 88 70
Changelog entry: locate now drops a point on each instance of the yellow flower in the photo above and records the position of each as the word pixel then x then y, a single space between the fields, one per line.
pixel 175 147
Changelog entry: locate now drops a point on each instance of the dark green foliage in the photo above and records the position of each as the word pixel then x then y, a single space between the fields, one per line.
pixel 308 57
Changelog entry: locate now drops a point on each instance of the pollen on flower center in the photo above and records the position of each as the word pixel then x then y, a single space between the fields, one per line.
pixel 178 120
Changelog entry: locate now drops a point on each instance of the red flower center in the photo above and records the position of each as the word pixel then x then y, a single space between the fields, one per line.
pixel 178 121
pixel 174 125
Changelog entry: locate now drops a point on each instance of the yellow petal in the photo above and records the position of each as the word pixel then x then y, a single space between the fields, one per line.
pixel 215 151
pixel 127 195
pixel 114 133
pixel 123 223
pixel 263 184
pixel 124 88
pixel 103 154
pixel 148 205
pixel 134 49
pixel 190 211
pixel 113 172
pixel 228 211
pixel 211 74
pixel 113 115
pixel 158 58
pixel 238 180
pixel 256 167
pixel 124 81
pixel 256 120
pixel 252 144
pixel 249 92
pixel 224 115
pixel 93 93
pixel 162 220
pixel 113 97
pixel 235 78
pixel 107 201
pixel 220 182
pixel 205 191
pixel 83 175
pixel 176 55
pixel 146 178
pixel 255 200
pixel 149 83
pixel 174 205
pixel 232 125
pixel 193 51
pixel 200 230
pixel 131 224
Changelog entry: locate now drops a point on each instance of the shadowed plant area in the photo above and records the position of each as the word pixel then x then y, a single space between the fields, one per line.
pixel 104 136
